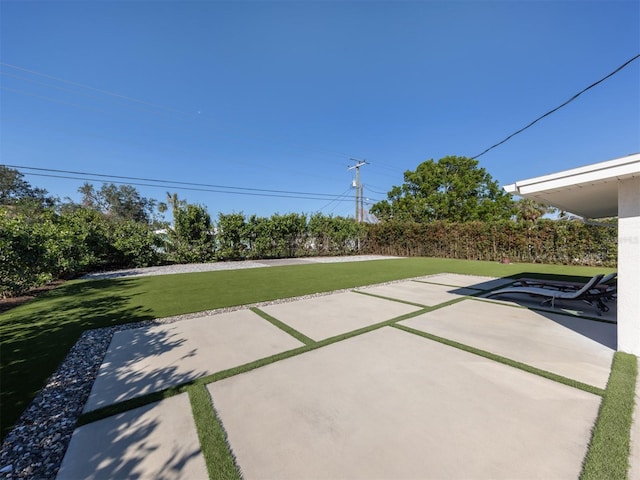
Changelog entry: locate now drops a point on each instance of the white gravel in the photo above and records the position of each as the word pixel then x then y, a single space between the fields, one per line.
pixel 217 266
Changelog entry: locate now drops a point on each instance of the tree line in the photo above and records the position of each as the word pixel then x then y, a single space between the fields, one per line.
pixel 43 238
pixel 447 208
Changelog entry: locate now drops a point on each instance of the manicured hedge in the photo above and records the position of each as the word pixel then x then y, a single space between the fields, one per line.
pixel 546 241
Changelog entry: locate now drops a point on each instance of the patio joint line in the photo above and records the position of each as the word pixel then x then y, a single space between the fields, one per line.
pixel 131 403
pixel 478 290
pixel 283 326
pixel 214 442
pixel 506 361
pixel 391 299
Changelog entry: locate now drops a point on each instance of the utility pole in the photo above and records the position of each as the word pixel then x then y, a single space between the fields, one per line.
pixel 358 189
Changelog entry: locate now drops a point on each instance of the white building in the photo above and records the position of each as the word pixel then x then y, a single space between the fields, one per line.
pixel 605 189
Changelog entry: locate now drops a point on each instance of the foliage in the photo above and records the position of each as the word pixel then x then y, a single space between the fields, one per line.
pixel 334 235
pixel 287 233
pixel 19 194
pixel 546 241
pixel 118 202
pixel 20 254
pixel 134 244
pixel 453 189
pixel 192 234
pixel 232 242
pixel 530 211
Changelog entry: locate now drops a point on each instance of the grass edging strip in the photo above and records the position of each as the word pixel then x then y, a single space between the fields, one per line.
pixel 608 452
pixel 142 400
pixel 506 361
pixel 284 327
pixel 391 299
pixel 214 444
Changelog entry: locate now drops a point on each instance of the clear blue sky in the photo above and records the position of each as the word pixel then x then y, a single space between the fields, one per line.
pixel 280 95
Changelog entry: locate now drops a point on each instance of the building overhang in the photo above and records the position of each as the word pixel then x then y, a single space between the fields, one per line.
pixel 590 191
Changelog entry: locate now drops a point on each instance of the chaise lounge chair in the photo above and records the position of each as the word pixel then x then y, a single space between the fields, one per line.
pixel 603 284
pixel 587 293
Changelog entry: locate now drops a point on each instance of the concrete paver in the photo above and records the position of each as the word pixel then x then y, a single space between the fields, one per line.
pixel 148 359
pixel 576 348
pixel 389 404
pixel 151 442
pixel 385 404
pixel 327 316
pixel 419 292
pixel 470 281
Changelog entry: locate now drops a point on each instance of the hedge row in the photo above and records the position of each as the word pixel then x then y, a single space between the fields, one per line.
pixel 546 241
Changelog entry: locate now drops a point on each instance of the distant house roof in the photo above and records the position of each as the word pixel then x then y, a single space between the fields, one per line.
pixel 590 191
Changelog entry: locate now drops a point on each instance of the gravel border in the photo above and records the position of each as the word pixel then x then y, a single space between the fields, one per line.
pixel 39 440
pixel 222 266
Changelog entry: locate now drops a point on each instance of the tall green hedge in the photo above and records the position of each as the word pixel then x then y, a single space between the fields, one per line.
pixel 546 241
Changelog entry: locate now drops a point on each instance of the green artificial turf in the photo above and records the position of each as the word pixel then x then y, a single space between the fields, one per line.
pixel 35 337
pixel 506 361
pixel 213 439
pixel 608 454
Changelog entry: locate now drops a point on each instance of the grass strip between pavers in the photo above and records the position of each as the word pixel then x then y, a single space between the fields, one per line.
pixel 214 444
pixel 142 400
pixel 391 299
pixel 36 337
pixel 284 327
pixel 506 361
pixel 608 453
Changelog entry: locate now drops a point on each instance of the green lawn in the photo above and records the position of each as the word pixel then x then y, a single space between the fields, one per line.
pixel 35 337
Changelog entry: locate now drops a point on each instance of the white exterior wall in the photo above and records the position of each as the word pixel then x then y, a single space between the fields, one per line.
pixel 629 265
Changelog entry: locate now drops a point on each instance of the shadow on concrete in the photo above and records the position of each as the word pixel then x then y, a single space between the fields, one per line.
pixel 132 368
pixel 579 316
pixel 139 443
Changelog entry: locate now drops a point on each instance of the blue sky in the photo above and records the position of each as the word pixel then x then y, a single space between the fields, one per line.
pixel 278 95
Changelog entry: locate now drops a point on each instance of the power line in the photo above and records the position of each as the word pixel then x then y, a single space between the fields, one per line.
pixel 171 182
pixel 559 106
pixel 169 186
pixel 375 191
pixel 181 151
pixel 339 197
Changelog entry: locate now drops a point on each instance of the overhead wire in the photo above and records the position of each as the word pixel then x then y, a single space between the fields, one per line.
pixel 558 107
pixel 170 186
pixel 160 181
pixel 343 194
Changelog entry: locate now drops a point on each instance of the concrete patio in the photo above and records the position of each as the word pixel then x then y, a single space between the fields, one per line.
pixel 386 403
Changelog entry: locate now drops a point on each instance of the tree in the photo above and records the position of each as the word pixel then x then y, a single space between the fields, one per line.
pixel 16 192
pixel 232 243
pixel 453 189
pixel 530 211
pixel 193 234
pixel 118 202
pixel 173 201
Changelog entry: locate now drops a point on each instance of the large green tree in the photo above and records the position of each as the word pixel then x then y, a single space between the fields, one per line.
pixel 122 202
pixel 454 189
pixel 19 194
